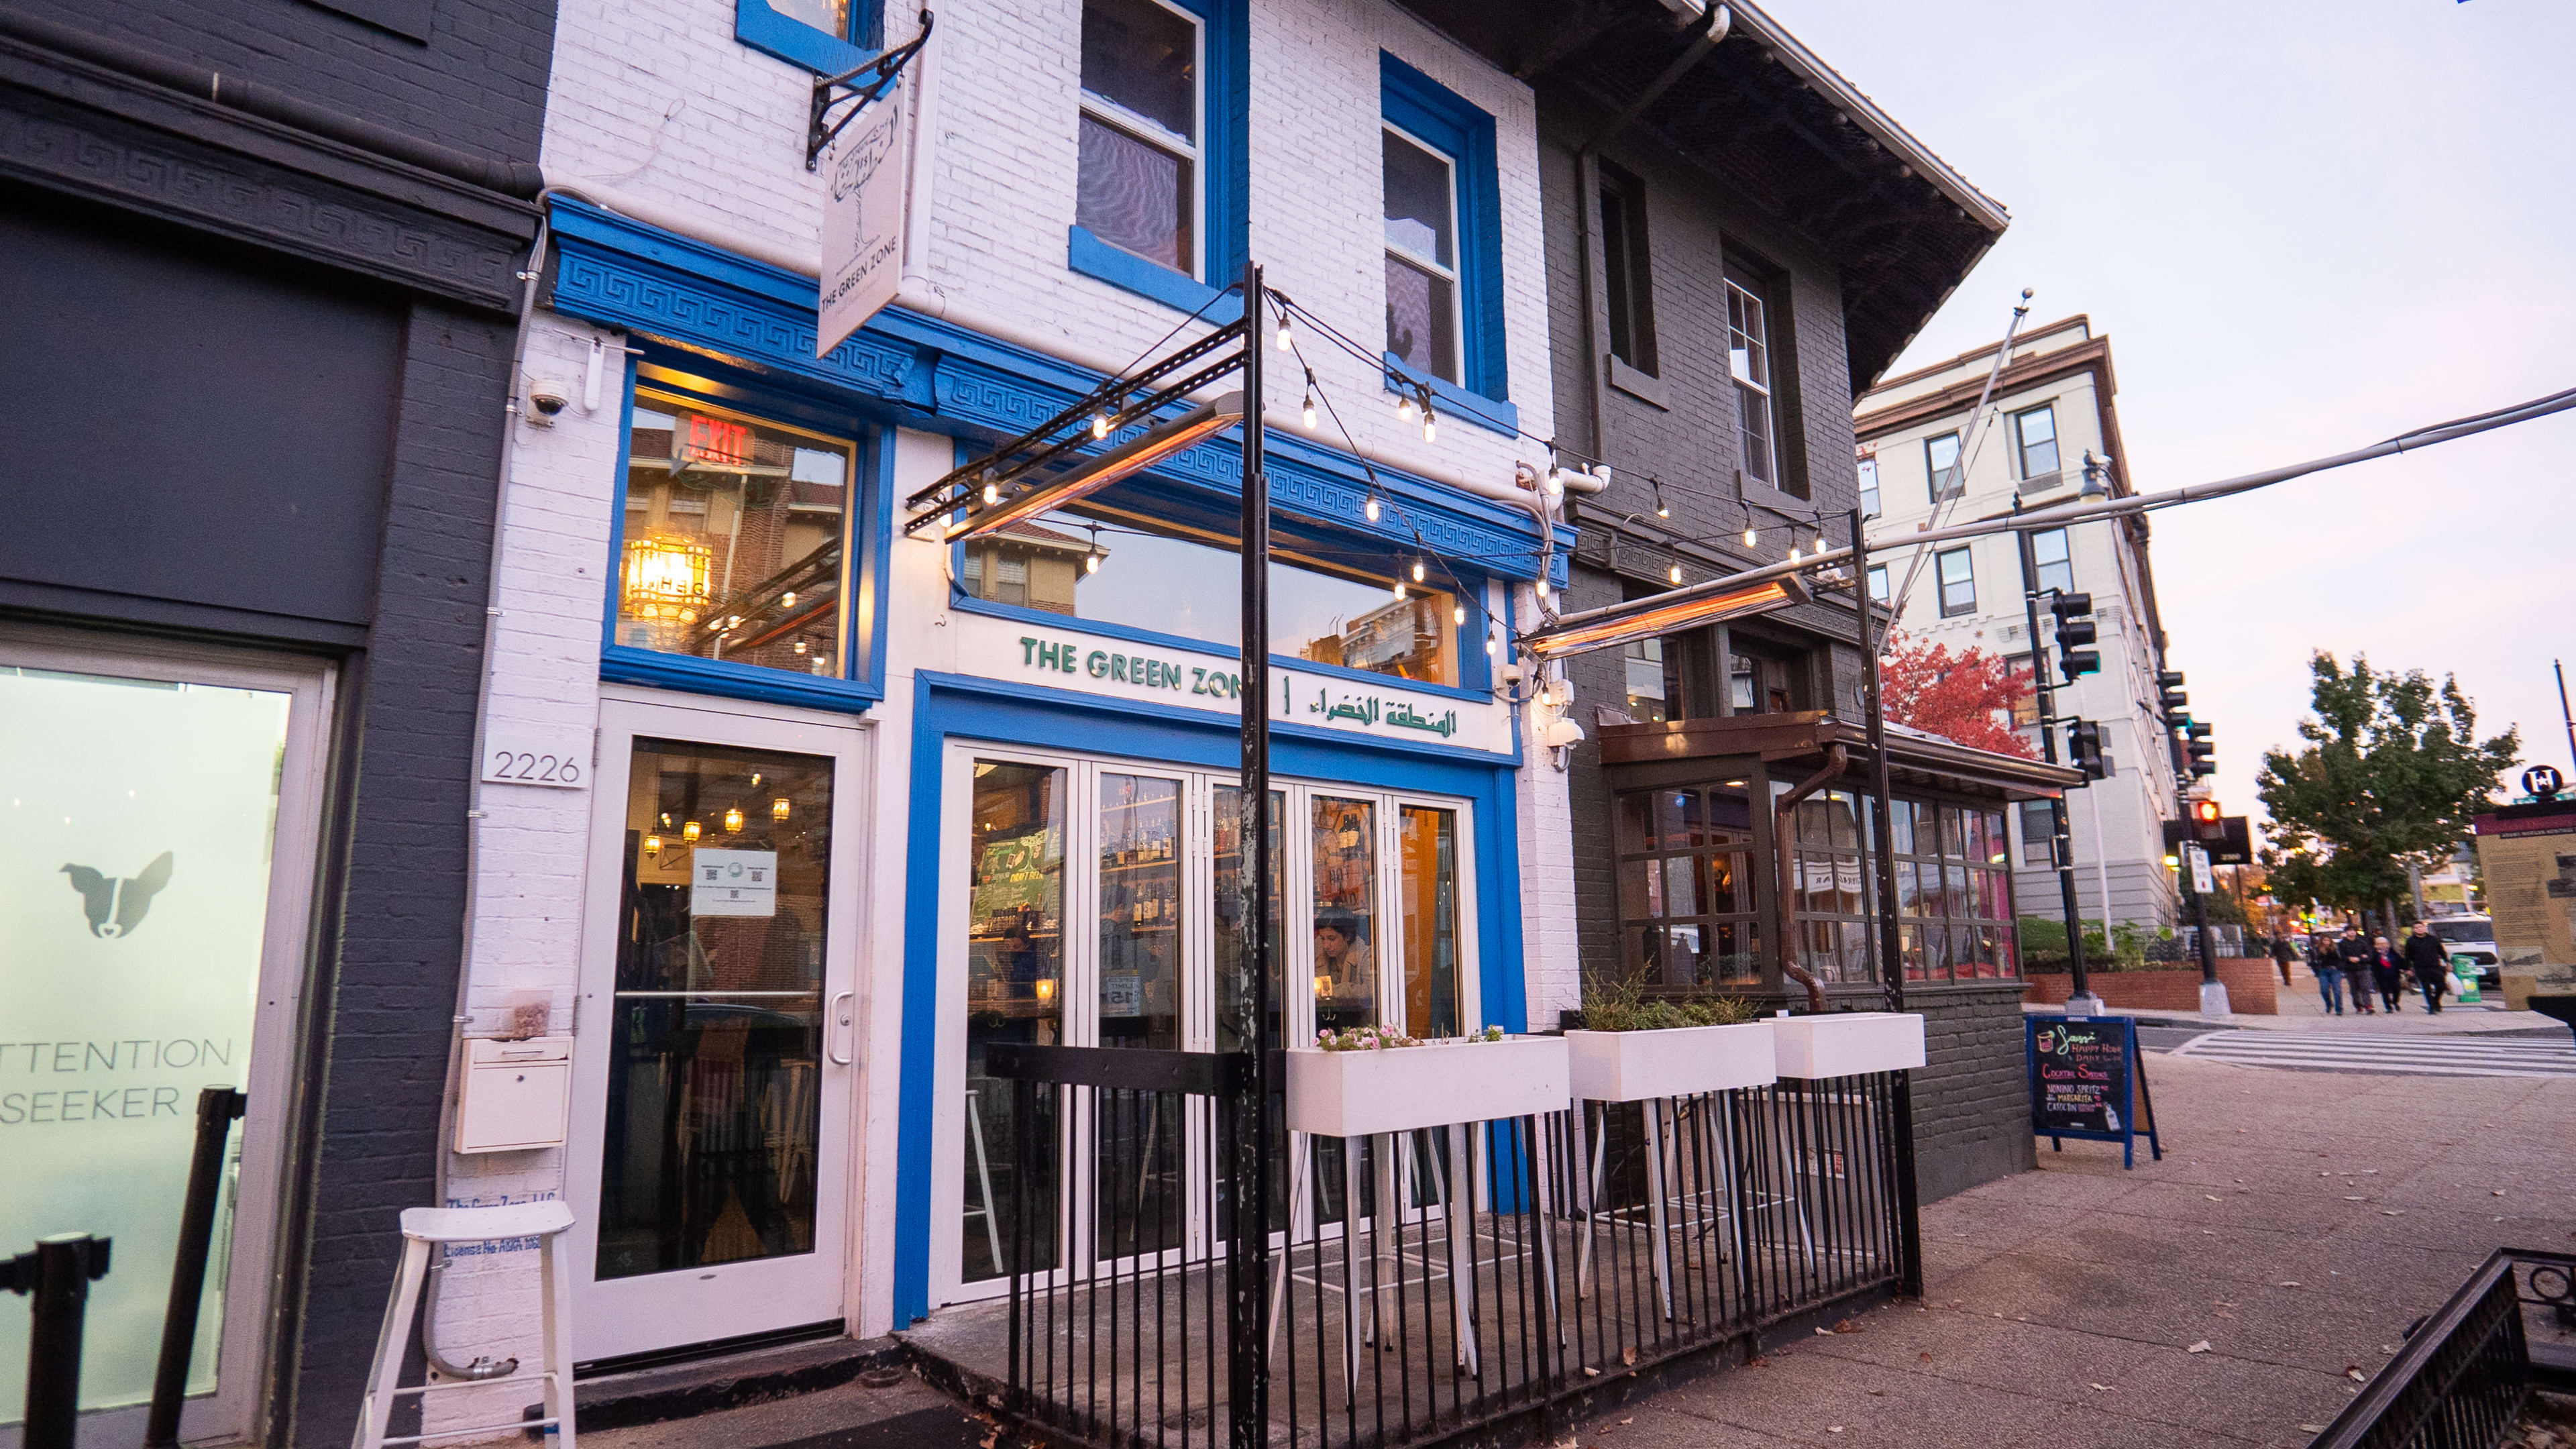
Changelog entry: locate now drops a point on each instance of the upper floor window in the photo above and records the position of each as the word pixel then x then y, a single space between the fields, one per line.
pixel 1759 684
pixel 2025 706
pixel 1749 362
pixel 1869 504
pixel 1624 270
pixel 830 36
pixel 734 539
pixel 2056 569
pixel 1107 565
pixel 1878 583
pixel 1422 311
pixel 1141 169
pixel 2035 440
pixel 1941 463
pixel 1958 581
pixel 1655 692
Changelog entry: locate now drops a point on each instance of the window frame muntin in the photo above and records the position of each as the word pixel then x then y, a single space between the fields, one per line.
pixel 1766 391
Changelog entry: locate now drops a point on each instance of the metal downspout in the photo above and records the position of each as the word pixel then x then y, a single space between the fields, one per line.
pixel 1785 856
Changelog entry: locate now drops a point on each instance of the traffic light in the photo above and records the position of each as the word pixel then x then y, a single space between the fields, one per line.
pixel 2084 748
pixel 2170 682
pixel 2207 814
pixel 2195 729
pixel 2075 628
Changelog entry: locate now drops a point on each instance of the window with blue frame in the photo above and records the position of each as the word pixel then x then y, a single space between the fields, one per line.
pixel 1443 234
pixel 829 36
pixel 1113 566
pixel 1159 186
pixel 735 540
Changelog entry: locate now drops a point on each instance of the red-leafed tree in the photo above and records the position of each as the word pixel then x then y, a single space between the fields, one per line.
pixel 1957 696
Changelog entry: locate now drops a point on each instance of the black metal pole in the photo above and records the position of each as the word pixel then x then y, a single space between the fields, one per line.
pixel 1248 1258
pixel 216 1109
pixel 2062 837
pixel 58 1273
pixel 1891 935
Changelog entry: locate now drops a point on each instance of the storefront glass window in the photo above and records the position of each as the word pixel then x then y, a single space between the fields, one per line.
pixel 713 1112
pixel 1954 891
pixel 1345 841
pixel 1113 569
pixel 1430 906
pixel 134 890
pixel 1014 978
pixel 734 541
pixel 1140 1207
pixel 1832 882
pixel 1686 899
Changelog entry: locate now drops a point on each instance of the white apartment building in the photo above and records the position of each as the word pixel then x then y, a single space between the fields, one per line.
pixel 2052 408
pixel 997 794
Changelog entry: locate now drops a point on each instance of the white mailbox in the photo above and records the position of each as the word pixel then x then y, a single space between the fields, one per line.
pixel 517 1094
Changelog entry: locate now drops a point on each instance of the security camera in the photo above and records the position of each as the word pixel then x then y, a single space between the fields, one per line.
pixel 549 398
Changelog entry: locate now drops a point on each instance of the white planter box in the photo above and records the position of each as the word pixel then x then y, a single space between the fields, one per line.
pixel 1354 1094
pixel 1632 1066
pixel 1847 1043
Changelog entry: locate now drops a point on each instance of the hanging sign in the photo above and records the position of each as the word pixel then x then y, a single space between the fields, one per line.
pixel 863 219
pixel 2087 1080
pixel 733 882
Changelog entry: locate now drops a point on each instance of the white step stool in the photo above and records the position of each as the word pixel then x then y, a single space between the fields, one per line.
pixel 424 1227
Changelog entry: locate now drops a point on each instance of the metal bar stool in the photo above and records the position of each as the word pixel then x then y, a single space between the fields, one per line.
pixel 424 1228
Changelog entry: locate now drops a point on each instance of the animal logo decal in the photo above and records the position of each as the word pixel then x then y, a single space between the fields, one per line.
pixel 115 907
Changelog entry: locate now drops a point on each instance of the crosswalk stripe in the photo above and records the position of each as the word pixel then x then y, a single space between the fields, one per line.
pixel 2420 1056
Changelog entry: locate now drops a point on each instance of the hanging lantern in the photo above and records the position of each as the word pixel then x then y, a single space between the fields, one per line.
pixel 778 809
pixel 665 578
pixel 652 845
pixel 689 832
pixel 733 820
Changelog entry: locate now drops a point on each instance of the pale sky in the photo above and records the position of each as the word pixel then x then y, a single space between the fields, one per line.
pixel 2305 225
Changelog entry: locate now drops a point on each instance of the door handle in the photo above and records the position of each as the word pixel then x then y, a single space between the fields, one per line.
pixel 839 1020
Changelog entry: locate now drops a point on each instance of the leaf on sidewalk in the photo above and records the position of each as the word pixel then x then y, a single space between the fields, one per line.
pixel 2099 1388
pixel 2353 1372
pixel 1923 1358
pixel 1847 1326
pixel 2200 1347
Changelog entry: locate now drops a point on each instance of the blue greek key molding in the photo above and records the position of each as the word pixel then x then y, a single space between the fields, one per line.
pixel 625 292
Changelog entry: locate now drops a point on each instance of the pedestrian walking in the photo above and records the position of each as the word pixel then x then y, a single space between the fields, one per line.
pixel 2328 969
pixel 2431 965
pixel 2386 973
pixel 2354 953
pixel 2283 953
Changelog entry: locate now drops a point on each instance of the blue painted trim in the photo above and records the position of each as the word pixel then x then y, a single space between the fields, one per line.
pixel 967 603
pixel 1454 401
pixel 797 43
pixel 1449 121
pixel 870 546
pixel 947 706
pixel 1129 272
pixel 1228 148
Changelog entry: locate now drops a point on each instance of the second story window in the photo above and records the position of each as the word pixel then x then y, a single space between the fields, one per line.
pixel 1958 582
pixel 1941 462
pixel 1759 684
pixel 1869 505
pixel 1748 345
pixel 1140 178
pixel 1422 313
pixel 2056 569
pixel 2035 441
pixel 1654 680
pixel 1878 583
pixel 1624 270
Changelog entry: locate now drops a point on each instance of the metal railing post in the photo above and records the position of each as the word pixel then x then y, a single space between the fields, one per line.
pixel 58 1273
pixel 217 1107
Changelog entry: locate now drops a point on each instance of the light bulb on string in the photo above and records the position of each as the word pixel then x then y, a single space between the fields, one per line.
pixel 1490 644
pixel 1662 509
pixel 1091 563
pixel 1287 339
pixel 1542 591
pixel 1404 407
pixel 1430 427
pixel 1820 543
pixel 1099 426
pixel 1309 412
pixel 1399 588
pixel 992 493
pixel 1417 571
pixel 1458 614
pixel 1555 481
pixel 1793 553
pixel 1748 536
pixel 1372 509
pixel 1674 573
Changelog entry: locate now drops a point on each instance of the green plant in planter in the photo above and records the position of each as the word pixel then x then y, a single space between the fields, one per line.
pixel 1628 1008
pixel 2043 945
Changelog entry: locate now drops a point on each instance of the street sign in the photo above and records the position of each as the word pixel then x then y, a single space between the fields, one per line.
pixel 2197 861
pixel 863 220
pixel 2543 781
pixel 2088 1081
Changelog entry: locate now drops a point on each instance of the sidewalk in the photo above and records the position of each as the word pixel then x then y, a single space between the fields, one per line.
pixel 2301 1009
pixel 2296 1225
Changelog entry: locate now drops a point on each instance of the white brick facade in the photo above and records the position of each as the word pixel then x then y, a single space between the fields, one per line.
pixel 656 99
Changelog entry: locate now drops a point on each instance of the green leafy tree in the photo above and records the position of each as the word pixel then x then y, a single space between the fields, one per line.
pixel 2392 773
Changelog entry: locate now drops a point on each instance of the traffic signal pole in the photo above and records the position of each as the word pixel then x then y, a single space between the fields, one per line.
pixel 2061 843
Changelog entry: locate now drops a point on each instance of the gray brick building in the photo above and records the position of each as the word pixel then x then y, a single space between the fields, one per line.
pixel 263 265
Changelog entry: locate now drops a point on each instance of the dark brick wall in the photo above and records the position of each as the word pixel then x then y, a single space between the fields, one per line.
pixel 390 979
pixel 478 84
pixel 1972 1097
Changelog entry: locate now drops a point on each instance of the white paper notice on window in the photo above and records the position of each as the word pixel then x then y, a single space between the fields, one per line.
pixel 733 882
pixel 1121 994
pixel 864 205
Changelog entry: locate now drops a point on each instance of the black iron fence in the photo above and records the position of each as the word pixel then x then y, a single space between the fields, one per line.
pixel 1421 1283
pixel 2466 1371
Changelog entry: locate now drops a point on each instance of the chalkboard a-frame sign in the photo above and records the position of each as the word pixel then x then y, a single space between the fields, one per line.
pixel 2087 1081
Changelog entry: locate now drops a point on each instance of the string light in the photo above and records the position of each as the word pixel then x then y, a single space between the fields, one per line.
pixel 1091 555
pixel 1372 509
pixel 1662 509
pixel 1099 426
pixel 1417 571
pixel 1404 407
pixel 1309 411
pixel 1674 573
pixel 1793 553
pixel 1748 535
pixel 1458 615
pixel 1489 643
pixel 1555 481
pixel 1399 588
pixel 1542 591
pixel 1287 339
pixel 1430 424
pixel 1820 543
pixel 992 493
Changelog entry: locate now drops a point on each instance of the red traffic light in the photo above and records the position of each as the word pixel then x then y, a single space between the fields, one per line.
pixel 2205 812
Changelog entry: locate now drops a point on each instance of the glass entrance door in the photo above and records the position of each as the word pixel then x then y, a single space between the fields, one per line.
pixel 718 1065
pixel 1096 903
